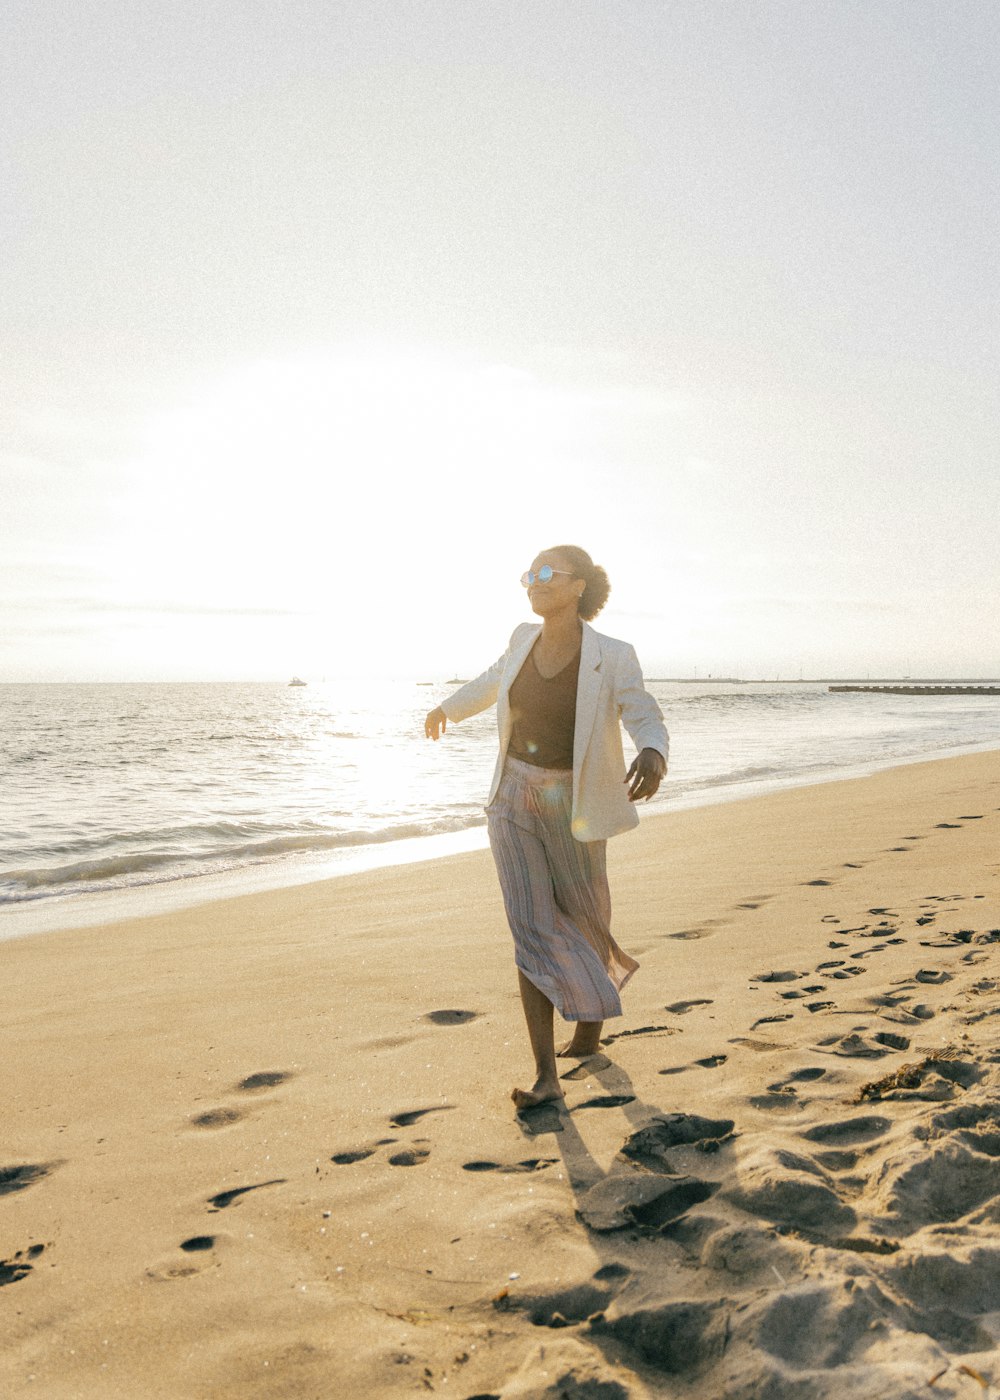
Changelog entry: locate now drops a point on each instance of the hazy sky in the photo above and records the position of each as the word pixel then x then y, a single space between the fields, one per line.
pixel 320 320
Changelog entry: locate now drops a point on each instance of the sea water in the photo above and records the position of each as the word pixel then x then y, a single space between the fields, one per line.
pixel 214 788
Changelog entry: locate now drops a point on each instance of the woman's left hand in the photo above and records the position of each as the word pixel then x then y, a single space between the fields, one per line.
pixel 648 770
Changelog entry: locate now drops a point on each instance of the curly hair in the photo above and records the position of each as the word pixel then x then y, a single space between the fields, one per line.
pixel 597 584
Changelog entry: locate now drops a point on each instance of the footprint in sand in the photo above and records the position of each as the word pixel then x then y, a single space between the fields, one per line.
pixel 894 1042
pixel 777 1100
pixel 218 1117
pixel 264 1079
pixel 351 1155
pixel 766 1020
pixel 451 1018
pixel 531 1164
pixel 24 1175
pixel 786 976
pixel 411 1115
pixel 606 1101
pixel 681 1008
pixel 197 1243
pixel 173 1268
pixel 642 1030
pixel 863 1128
pixel 936 977
pixel 224 1199
pixel 411 1156
pixel 815 1006
pixel 817 882
pixel 798 1076
pixel 17 1266
pixel 712 1061
pixel 852 1046
pixel 760 1047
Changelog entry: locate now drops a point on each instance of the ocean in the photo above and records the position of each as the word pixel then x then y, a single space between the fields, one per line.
pixel 184 791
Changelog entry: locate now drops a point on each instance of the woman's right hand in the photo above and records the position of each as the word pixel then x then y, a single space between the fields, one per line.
pixel 435 724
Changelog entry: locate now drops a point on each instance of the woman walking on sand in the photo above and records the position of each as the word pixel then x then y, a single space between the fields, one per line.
pixel 559 791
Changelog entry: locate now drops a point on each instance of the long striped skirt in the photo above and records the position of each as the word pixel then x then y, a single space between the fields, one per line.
pixel 555 892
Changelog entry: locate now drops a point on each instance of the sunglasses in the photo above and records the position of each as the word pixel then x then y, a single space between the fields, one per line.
pixel 544 575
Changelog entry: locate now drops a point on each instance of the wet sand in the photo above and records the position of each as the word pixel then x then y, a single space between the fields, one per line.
pixel 264 1148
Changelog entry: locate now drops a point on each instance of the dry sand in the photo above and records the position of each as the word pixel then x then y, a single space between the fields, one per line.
pixel 263 1148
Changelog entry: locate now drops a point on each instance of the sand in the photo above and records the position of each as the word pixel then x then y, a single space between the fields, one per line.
pixel 263 1147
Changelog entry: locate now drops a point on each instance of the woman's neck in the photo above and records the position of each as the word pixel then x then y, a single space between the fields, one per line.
pixel 562 632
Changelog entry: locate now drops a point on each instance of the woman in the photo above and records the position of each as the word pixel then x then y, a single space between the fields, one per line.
pixel 558 793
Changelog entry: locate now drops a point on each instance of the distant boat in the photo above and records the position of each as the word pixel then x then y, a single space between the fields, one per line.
pixel 456 680
pixel 297 680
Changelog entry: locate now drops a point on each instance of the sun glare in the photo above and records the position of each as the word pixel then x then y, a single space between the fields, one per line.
pixel 381 502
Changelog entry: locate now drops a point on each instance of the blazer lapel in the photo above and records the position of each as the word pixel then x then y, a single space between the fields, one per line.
pixel 588 689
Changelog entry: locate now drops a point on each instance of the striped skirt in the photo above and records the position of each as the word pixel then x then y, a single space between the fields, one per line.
pixel 555 892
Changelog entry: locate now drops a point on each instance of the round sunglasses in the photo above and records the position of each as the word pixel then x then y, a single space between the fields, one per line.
pixel 543 575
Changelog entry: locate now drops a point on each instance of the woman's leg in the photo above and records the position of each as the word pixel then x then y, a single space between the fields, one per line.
pixel 580 889
pixel 538 1015
pixel 560 965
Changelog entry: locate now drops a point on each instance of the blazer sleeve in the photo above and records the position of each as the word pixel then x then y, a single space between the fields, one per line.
pixel 639 712
pixel 475 696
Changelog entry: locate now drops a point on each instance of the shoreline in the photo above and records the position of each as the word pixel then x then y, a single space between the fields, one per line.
pixel 263 1146
pixel 86 908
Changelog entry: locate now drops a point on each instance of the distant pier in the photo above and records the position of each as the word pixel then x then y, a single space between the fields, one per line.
pixel 922 689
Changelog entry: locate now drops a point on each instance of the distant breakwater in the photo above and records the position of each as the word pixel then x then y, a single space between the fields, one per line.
pixel 922 689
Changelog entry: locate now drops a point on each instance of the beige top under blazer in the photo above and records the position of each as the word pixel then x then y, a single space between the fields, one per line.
pixel 610 692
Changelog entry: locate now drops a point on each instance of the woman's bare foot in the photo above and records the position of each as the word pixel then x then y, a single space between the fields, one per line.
pixel 586 1041
pixel 542 1091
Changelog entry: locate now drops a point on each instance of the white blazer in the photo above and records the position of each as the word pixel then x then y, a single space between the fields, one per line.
pixel 610 692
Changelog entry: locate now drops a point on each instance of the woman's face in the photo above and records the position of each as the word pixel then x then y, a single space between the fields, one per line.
pixel 562 590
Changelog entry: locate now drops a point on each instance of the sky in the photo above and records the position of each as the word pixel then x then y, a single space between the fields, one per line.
pixel 320 321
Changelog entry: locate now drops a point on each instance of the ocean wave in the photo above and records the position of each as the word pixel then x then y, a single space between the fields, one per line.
pixel 750 774
pixel 121 869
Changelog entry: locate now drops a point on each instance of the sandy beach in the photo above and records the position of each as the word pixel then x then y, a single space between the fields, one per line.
pixel 263 1147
